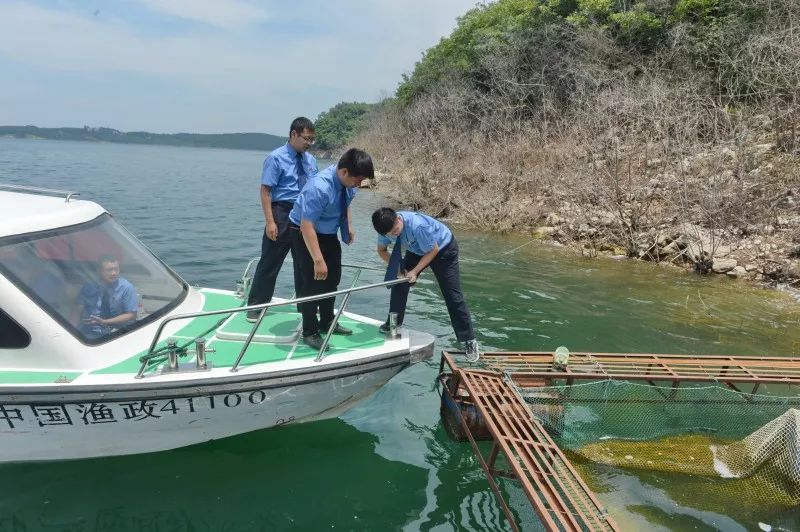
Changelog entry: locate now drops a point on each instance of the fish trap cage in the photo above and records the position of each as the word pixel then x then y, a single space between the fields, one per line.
pixel 701 420
pixel 730 423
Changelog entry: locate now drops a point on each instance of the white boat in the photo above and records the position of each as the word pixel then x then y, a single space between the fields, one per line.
pixel 187 367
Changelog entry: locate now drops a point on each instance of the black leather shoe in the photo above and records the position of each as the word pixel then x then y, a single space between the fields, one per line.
pixel 384 329
pixel 342 331
pixel 252 315
pixel 314 341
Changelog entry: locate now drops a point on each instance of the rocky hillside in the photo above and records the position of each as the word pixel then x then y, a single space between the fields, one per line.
pixel 663 130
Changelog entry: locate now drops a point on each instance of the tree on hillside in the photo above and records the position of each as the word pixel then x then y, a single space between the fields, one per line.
pixel 336 126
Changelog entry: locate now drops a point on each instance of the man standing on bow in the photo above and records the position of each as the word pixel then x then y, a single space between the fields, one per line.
pixel 284 174
pixel 322 209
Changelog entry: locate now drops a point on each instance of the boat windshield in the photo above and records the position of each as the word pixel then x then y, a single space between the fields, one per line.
pixel 94 278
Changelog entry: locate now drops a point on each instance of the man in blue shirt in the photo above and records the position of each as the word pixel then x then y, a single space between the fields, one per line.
pixel 322 209
pixel 428 242
pixel 284 174
pixel 108 304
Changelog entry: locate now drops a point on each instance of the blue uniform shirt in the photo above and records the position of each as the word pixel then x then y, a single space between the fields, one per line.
pixel 121 298
pixel 320 202
pixel 280 172
pixel 420 232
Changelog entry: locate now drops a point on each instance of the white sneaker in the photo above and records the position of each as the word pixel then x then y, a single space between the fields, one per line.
pixel 471 350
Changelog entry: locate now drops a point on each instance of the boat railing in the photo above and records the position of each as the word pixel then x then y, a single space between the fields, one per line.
pixel 68 194
pixel 244 284
pixel 347 292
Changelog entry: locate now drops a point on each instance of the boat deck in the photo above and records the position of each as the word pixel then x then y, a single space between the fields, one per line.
pixel 276 340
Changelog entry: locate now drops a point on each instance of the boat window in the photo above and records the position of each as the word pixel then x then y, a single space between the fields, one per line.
pixel 12 335
pixel 96 279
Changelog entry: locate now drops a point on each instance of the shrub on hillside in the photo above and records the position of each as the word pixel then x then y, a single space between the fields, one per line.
pixel 341 122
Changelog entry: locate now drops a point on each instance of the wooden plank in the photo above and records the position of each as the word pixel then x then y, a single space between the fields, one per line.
pixel 553 487
pixel 526 368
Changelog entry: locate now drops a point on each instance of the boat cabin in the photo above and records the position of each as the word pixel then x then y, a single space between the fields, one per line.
pixel 65 263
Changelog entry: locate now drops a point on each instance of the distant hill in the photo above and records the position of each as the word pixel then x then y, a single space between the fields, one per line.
pixel 234 141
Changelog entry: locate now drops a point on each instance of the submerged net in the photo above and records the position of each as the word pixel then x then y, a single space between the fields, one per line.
pixel 739 444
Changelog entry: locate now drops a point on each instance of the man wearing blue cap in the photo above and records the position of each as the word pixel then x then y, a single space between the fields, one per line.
pixel 285 172
pixel 322 209
pixel 428 242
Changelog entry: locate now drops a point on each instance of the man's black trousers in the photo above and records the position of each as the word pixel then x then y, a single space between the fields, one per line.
pixel 332 253
pixel 445 268
pixel 273 253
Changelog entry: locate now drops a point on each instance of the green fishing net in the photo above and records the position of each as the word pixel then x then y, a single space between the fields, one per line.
pixel 742 444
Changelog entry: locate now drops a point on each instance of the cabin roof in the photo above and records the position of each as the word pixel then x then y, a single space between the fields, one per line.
pixel 22 213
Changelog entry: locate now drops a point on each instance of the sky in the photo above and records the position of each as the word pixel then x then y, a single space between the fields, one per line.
pixel 206 66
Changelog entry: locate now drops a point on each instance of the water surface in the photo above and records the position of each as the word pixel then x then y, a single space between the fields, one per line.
pixel 387 464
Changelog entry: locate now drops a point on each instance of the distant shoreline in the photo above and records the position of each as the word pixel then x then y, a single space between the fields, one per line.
pixel 40 139
pixel 234 141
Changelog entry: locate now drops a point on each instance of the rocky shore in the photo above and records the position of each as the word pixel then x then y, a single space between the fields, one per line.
pixel 767 255
pixel 759 242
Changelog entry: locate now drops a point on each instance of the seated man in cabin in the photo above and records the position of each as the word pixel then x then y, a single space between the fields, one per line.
pixel 109 303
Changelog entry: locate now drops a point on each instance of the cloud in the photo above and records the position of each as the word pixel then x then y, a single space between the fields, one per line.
pixel 258 76
pixel 63 41
pixel 228 14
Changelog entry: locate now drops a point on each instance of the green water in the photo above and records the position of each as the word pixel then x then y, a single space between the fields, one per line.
pixel 387 464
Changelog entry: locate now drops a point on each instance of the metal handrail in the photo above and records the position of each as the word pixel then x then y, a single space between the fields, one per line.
pixel 335 320
pixel 344 265
pixel 360 267
pixel 243 285
pixel 148 356
pixel 39 190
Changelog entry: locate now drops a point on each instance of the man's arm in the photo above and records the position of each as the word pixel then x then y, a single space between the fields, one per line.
pixel 423 263
pixel 312 243
pixel 130 305
pixel 383 252
pixel 125 317
pixel 350 225
pixel 266 206
pixel 270 177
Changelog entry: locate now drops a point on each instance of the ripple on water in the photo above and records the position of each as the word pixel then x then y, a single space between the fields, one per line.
pixel 543 295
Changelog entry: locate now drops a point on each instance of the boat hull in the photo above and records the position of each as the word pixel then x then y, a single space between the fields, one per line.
pixel 86 423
